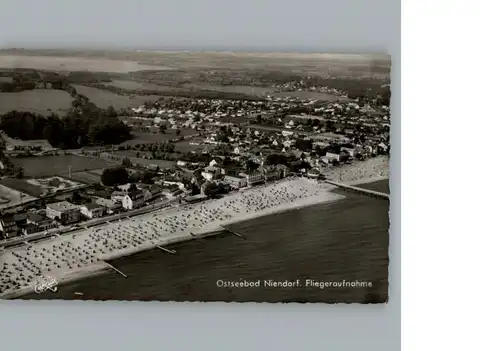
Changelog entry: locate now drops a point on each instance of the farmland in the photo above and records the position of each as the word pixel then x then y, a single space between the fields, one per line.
pixel 242 89
pixel 42 101
pixel 145 138
pixel 53 184
pixel 304 95
pixel 104 98
pixel 11 143
pixel 58 165
pixel 134 85
pixel 11 197
pixel 23 186
pixel 88 177
pixel 60 63
pixel 187 146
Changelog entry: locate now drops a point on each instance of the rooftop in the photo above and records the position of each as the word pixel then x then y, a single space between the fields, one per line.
pixel 62 206
pixel 91 206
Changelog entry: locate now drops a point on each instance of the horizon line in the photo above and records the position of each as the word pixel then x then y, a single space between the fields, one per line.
pixel 197 48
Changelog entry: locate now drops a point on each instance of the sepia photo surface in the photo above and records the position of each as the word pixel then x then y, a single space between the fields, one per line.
pixel 194 176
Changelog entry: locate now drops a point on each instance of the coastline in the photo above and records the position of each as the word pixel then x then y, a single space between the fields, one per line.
pixel 212 229
pixel 363 172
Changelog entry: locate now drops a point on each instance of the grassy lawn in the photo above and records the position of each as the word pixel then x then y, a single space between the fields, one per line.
pixel 22 186
pixel 42 101
pixel 104 98
pixel 44 166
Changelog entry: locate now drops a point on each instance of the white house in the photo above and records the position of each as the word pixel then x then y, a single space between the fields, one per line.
pixel 92 210
pixel 332 156
pixel 133 199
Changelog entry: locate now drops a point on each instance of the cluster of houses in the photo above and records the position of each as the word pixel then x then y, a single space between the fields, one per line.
pixel 63 213
pixel 235 179
pixel 294 114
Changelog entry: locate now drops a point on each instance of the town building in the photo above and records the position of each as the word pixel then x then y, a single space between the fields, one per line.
pixel 9 227
pixel 109 204
pixel 133 199
pixel 118 196
pixel 38 223
pixel 254 178
pixel 92 210
pixel 235 181
pixel 271 173
pixel 172 191
pixel 194 198
pixel 152 192
pixel 63 212
pixel 211 173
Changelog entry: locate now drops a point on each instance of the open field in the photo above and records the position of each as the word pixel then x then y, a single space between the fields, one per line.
pixel 186 146
pixel 11 143
pixel 133 85
pixel 309 95
pixel 242 89
pixel 266 128
pixel 145 138
pixel 23 186
pixel 11 197
pixel 59 63
pixel 42 101
pixel 88 177
pixel 131 153
pixel 45 166
pixel 104 98
pixel 53 184
pixel 160 163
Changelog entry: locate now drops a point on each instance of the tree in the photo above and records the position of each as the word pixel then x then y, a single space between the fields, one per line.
pixel 19 172
pixel 276 159
pixel 147 177
pixel 319 151
pixel 251 166
pixel 126 162
pixel 111 112
pixel 114 176
pixel 76 197
pixel 163 128
pixel 178 132
pixel 303 145
pixel 211 189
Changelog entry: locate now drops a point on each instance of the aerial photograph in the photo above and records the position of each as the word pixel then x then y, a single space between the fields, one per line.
pixel 194 176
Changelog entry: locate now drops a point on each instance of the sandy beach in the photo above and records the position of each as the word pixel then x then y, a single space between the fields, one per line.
pixel 359 172
pixel 77 255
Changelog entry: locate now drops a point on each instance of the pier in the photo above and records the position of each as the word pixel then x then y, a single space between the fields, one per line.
pixel 234 233
pixel 115 269
pixel 359 190
pixel 172 252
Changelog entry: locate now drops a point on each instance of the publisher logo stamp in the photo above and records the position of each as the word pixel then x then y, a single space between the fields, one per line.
pixel 45 283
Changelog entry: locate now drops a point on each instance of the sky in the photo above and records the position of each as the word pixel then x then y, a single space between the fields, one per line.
pixel 281 25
